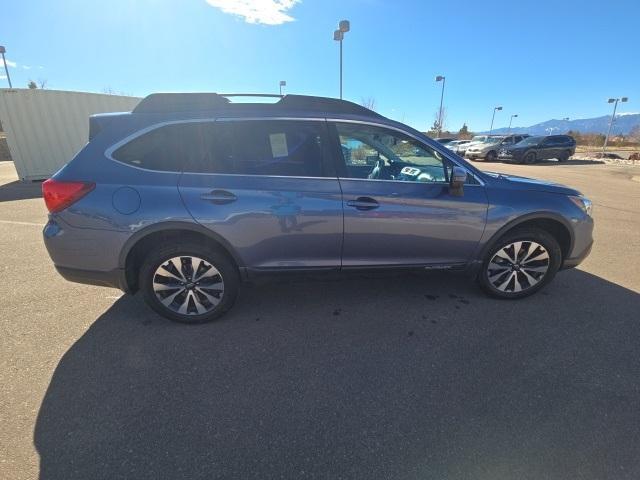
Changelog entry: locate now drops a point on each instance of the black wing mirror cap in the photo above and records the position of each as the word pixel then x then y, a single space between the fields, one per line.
pixel 458 179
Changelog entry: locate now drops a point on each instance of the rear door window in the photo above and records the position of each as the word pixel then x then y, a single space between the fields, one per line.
pixel 263 147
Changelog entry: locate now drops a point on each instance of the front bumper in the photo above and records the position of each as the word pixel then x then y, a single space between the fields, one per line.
pixel 508 157
pixel 475 155
pixel 576 260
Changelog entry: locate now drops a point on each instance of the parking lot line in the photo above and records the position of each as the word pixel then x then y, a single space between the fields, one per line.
pixel 14 222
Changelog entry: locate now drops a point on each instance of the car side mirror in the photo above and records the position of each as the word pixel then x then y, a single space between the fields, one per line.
pixel 458 179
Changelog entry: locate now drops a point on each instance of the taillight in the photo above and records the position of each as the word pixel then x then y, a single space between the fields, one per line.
pixel 59 195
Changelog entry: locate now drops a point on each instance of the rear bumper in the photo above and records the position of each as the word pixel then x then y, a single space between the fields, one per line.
pixel 114 278
pixel 85 255
pixel 475 155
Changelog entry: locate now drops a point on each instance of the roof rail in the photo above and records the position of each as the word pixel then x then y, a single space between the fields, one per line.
pixel 324 104
pixel 200 102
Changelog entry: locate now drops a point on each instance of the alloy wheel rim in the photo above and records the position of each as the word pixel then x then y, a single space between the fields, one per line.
pixel 518 266
pixel 188 285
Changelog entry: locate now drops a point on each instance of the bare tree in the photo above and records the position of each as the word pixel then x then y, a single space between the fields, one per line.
pixel 368 102
pixel 439 120
pixel 42 83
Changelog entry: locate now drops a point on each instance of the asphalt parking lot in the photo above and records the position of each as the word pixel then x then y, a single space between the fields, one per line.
pixel 407 376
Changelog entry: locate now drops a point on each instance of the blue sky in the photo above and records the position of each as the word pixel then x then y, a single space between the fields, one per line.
pixel 539 59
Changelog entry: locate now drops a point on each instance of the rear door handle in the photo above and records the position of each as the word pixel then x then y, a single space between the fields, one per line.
pixel 363 203
pixel 219 197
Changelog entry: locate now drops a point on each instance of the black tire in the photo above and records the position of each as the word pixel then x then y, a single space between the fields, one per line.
pixel 226 268
pixel 529 158
pixel 488 279
pixel 564 156
pixel 491 156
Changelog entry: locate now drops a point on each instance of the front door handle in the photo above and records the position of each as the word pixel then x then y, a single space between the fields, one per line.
pixel 219 197
pixel 363 203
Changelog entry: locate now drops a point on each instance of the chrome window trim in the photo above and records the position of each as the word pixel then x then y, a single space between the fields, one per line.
pixel 138 133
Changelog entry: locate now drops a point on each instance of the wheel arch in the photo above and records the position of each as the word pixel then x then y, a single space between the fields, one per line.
pixel 551 222
pixel 132 253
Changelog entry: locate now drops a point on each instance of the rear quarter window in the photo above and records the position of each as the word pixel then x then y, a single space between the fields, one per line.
pixel 163 149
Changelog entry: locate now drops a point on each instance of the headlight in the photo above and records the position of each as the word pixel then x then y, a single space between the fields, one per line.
pixel 583 203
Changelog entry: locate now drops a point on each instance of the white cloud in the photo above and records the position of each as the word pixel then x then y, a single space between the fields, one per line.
pixel 26 67
pixel 9 63
pixel 3 77
pixel 268 12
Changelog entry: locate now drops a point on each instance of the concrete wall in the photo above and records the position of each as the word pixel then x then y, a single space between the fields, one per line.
pixel 46 128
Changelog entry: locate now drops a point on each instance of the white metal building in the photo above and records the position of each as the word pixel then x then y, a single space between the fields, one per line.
pixel 46 128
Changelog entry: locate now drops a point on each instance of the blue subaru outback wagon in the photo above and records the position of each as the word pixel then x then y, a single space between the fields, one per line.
pixel 190 194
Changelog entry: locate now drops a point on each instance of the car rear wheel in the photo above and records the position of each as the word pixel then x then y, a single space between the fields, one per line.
pixel 530 158
pixel 492 156
pixel 189 283
pixel 520 263
pixel 564 156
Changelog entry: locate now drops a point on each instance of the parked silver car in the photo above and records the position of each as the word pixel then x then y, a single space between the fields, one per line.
pixel 489 148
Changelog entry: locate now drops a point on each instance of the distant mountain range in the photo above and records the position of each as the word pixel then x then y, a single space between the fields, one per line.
pixel 622 125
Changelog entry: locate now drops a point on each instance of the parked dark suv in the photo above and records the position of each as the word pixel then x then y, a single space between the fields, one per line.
pixel 534 149
pixel 190 194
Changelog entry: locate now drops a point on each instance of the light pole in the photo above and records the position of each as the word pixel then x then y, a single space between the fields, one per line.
pixel 493 117
pixel 440 78
pixel 511 120
pixel 338 36
pixel 283 83
pixel 4 61
pixel 613 116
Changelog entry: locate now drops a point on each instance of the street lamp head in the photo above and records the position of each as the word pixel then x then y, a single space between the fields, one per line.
pixel 498 108
pixel 439 78
pixel 624 99
pixel 338 35
pixel 344 26
pixel 514 115
pixel 2 49
pixel 283 83
pixel 611 100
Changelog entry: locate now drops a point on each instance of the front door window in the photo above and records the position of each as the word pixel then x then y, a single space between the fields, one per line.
pixel 381 154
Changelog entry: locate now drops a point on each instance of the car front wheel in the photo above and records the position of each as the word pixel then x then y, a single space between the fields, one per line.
pixel 530 158
pixel 189 283
pixel 520 263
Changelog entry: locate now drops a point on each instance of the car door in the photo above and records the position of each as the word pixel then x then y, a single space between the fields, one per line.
pixel 549 148
pixel 265 187
pixel 398 209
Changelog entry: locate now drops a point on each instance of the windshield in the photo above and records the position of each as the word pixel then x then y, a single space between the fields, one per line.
pixel 479 138
pixel 530 141
pixel 494 139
